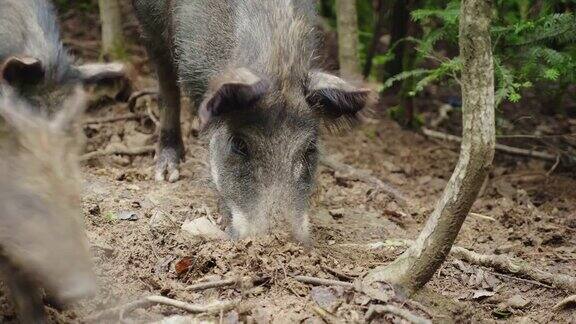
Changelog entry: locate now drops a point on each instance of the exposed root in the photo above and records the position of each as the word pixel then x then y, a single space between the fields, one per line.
pixel 119 311
pixel 365 177
pixel 97 121
pixel 391 309
pixel 570 300
pixel 501 263
pixel 504 264
pixel 499 147
pixel 130 151
pixel 138 94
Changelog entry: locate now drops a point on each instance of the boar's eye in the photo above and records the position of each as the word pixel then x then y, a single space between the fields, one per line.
pixel 239 146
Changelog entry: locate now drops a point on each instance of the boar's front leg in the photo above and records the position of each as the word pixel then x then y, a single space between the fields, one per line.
pixel 170 147
pixel 25 295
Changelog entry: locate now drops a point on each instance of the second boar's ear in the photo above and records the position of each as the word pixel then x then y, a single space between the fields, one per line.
pixel 20 72
pixel 233 91
pixel 333 97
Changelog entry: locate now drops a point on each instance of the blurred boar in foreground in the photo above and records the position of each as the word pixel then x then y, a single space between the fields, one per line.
pixel 42 243
pixel 249 65
pixel 33 61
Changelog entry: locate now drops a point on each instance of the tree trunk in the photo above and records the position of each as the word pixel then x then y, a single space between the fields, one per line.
pixel 112 34
pixel 347 20
pixel 398 30
pixel 413 269
pixel 377 34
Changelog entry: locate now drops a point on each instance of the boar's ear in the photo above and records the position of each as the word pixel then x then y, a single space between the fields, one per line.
pixel 234 91
pixel 22 71
pixel 335 98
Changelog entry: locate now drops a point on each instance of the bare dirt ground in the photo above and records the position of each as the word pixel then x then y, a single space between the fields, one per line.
pixel 532 216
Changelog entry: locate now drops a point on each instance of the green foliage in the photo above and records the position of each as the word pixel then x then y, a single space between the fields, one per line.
pixel 534 45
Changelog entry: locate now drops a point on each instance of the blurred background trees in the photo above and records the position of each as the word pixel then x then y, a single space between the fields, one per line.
pixel 410 49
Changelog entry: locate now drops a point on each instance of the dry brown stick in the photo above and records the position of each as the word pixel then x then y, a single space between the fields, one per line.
pixel 504 264
pixel 322 282
pixel 105 120
pixel 499 147
pixel 338 274
pixel 391 309
pixel 246 281
pixel 365 177
pixel 129 151
pixel 147 301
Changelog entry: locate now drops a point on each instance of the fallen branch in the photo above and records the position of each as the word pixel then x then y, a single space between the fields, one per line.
pixel 96 121
pixel 129 151
pixel 365 177
pixel 499 147
pixel 94 72
pixel 214 308
pixel 391 309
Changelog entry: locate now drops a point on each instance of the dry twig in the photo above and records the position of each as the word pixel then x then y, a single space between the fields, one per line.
pixel 96 121
pixel 499 147
pixel 322 282
pixel 244 282
pixel 570 300
pixel 213 308
pixel 129 151
pixel 391 309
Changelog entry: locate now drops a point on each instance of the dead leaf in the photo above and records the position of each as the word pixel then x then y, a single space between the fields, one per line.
pixel 481 294
pixel 517 301
pixel 127 216
pixel 183 266
pixel 204 228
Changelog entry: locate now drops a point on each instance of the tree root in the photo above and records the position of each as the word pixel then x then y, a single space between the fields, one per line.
pixel 502 264
pixel 499 147
pixel 133 151
pixel 391 309
pixel 97 121
pixel 138 94
pixel 570 300
pixel 365 177
pixel 214 308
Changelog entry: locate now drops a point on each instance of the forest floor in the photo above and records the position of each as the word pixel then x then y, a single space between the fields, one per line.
pixel 531 215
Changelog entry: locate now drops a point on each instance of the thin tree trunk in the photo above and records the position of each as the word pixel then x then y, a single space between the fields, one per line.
pixel 112 34
pixel 413 269
pixel 377 34
pixel 347 20
pixel 398 30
